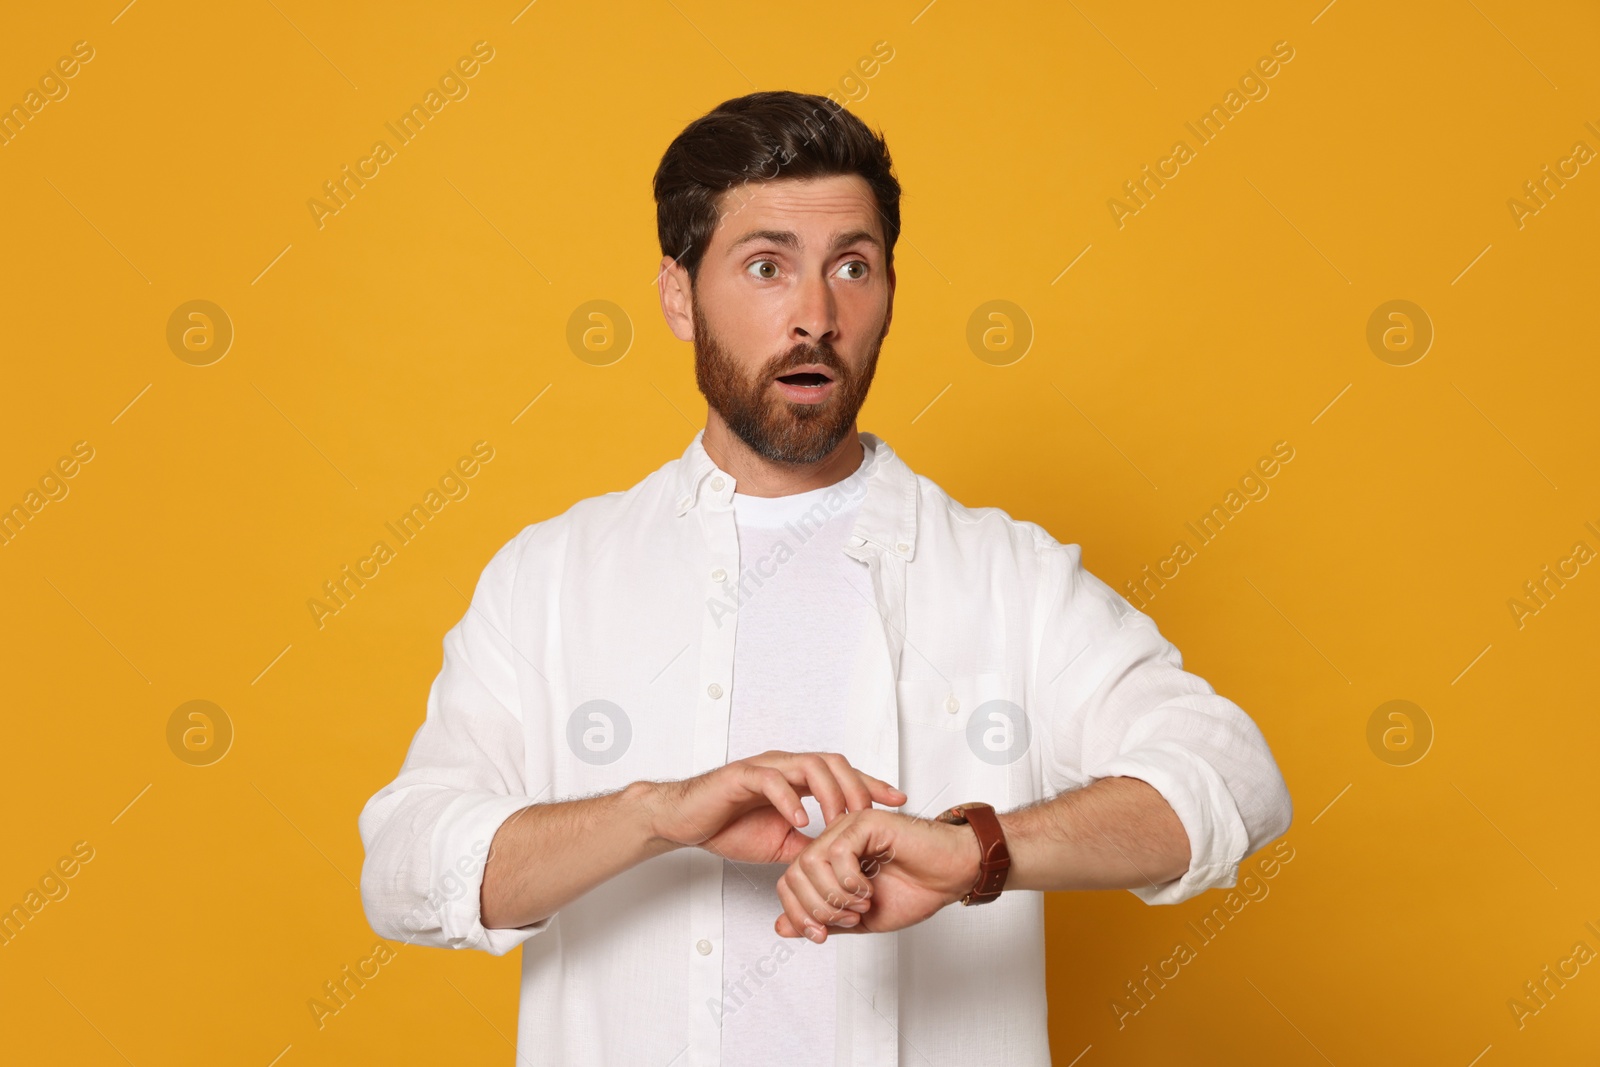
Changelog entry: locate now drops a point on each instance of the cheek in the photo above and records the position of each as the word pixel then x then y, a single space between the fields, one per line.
pixel 759 322
pixel 749 331
pixel 862 318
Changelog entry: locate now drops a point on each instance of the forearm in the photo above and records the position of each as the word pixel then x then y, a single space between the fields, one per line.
pixel 548 855
pixel 1115 833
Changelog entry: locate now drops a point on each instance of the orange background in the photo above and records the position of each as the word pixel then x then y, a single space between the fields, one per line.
pixel 1229 313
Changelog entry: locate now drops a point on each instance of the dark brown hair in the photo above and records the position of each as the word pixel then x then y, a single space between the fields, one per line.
pixel 763 137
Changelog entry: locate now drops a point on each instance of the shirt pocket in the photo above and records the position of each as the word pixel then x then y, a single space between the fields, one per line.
pixel 970 734
pixel 949 702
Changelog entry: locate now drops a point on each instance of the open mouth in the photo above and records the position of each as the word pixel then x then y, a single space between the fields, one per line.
pixel 810 385
pixel 805 378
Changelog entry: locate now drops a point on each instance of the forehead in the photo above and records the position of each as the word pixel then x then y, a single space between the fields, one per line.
pixel 812 208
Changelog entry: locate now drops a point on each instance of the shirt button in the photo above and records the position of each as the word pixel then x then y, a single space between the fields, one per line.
pixel 685 502
pixel 717 483
pixel 902 547
pixel 952 705
pixel 715 690
pixel 703 947
pixel 718 575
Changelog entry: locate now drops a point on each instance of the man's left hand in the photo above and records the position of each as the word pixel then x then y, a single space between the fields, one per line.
pixel 873 871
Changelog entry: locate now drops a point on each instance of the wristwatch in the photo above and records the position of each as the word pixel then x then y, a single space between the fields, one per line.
pixel 994 859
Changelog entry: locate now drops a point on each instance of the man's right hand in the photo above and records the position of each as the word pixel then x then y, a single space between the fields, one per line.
pixel 747 810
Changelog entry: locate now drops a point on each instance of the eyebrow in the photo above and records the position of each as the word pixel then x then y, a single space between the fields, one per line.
pixel 790 240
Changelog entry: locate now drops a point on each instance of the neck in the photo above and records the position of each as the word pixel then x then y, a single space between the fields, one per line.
pixel 758 476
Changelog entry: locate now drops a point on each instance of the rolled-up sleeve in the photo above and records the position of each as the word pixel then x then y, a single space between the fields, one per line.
pixel 427 833
pixel 1119 703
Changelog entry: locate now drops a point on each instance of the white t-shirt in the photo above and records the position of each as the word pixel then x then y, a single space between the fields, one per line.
pixel 803 609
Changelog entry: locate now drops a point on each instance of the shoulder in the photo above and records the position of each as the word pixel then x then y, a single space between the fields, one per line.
pixel 989 529
pixel 995 549
pixel 588 521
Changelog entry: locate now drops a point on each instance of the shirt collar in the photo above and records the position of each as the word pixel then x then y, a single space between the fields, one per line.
pixel 888 514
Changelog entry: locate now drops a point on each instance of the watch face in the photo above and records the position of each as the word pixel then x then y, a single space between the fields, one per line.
pixel 958 813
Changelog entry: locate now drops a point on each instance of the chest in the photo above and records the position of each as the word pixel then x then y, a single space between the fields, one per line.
pixel 663 668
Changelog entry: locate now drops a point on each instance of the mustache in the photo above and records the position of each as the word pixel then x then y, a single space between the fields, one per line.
pixel 800 355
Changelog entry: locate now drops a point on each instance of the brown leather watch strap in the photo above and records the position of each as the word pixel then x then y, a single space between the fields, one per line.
pixel 994 859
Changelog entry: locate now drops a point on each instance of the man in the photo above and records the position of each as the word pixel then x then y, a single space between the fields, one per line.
pixel 705 748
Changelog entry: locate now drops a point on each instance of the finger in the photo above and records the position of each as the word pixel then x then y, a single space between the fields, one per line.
pixel 783 795
pixel 838 871
pixel 785 928
pixel 770 783
pixel 856 794
pixel 854 874
pixel 823 785
pixel 872 863
pixel 861 788
pixel 795 913
pixel 808 775
pixel 812 879
pixel 884 793
pixel 793 844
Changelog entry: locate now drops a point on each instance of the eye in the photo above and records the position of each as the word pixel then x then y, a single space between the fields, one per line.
pixel 861 272
pixel 767 263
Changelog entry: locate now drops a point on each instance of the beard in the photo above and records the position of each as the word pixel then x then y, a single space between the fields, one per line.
pixel 776 428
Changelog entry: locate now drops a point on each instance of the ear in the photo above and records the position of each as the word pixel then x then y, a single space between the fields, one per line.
pixel 674 287
pixel 888 314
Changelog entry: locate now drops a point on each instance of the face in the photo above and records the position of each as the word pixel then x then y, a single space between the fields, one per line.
pixel 790 309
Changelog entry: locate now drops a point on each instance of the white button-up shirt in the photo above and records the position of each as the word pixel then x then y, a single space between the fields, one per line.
pixel 598 651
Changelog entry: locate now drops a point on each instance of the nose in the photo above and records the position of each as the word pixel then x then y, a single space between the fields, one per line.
pixel 814 318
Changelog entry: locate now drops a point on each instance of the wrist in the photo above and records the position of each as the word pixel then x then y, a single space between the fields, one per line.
pixel 988 875
pixel 971 863
pixel 642 801
pixel 1017 847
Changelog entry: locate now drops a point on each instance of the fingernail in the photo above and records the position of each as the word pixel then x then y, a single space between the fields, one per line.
pixel 860 906
pixel 848 920
pixel 813 932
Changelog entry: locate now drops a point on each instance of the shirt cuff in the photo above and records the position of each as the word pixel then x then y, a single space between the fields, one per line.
pixel 1218 840
pixel 461 843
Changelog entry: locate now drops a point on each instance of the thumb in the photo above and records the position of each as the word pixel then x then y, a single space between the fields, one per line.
pixel 794 843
